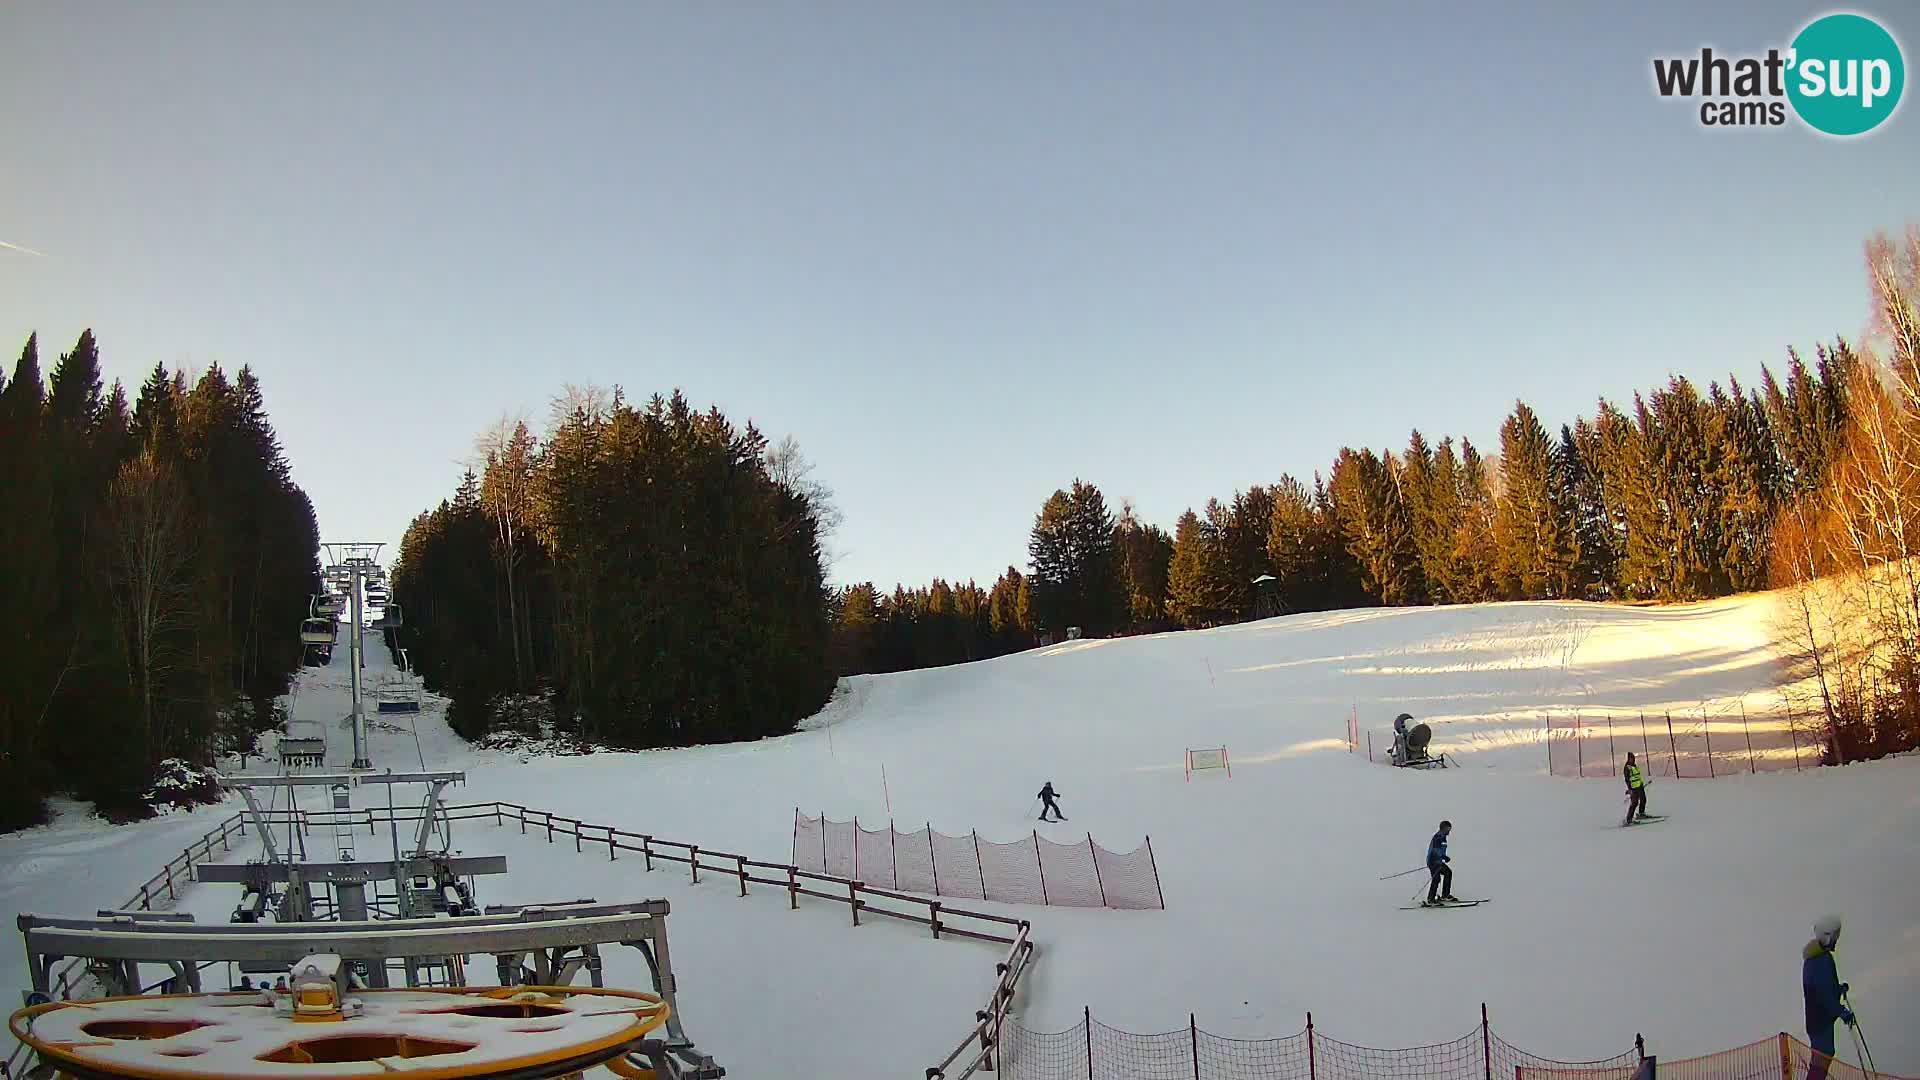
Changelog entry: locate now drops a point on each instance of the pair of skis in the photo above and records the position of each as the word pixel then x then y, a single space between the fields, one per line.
pixel 1644 820
pixel 1436 903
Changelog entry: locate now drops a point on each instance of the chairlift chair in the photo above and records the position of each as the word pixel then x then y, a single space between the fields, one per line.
pixel 316 631
pixel 397 694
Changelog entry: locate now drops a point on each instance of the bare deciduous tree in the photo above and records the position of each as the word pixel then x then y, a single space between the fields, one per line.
pixel 1850 551
pixel 507 452
pixel 152 550
pixel 790 469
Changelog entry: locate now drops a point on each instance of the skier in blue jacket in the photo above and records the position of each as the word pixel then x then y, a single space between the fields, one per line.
pixel 1437 860
pixel 1820 981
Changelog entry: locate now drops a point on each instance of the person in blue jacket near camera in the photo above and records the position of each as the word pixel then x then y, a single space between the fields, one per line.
pixel 1820 982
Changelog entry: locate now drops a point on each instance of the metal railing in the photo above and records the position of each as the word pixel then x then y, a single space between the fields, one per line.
pixel 941 918
pixel 177 872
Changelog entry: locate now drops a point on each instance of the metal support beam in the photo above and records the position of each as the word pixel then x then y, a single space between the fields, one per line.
pixel 258 817
pixel 380 940
pixel 245 780
pixel 356 657
pixel 428 817
pixel 450 776
pixel 338 873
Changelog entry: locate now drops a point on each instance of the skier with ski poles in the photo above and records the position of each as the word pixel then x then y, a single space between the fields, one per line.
pixel 1437 860
pixel 1047 795
pixel 1636 790
pixel 1821 985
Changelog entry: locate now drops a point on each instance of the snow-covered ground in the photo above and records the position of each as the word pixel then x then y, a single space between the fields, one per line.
pixel 1688 931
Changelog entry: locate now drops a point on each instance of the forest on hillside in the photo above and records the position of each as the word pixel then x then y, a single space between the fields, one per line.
pixel 1680 493
pixel 156 559
pixel 1671 497
pixel 653 575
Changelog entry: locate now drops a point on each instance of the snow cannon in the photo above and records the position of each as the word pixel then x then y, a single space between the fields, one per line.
pixel 1410 750
pixel 1418 736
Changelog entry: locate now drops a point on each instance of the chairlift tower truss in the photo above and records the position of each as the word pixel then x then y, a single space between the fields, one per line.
pixel 337 889
pixel 357 557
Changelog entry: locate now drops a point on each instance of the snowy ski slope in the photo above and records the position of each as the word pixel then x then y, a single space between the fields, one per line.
pixel 1688 932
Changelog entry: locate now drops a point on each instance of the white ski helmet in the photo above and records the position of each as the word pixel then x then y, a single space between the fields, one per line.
pixel 1827 931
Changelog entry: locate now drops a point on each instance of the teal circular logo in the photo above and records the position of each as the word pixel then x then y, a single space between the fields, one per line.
pixel 1846 74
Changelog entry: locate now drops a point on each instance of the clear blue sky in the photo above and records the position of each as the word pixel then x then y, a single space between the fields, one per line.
pixel 963 252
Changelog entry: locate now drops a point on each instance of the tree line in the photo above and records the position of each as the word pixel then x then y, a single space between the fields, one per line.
pixel 1809 479
pixel 1847 549
pixel 156 559
pixel 1673 496
pixel 656 569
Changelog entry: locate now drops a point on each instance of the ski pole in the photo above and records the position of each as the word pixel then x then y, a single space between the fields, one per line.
pixel 1866 1059
pixel 1403 873
pixel 1860 1039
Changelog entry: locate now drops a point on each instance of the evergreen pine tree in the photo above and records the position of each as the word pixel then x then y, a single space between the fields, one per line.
pixel 1075 579
pixel 1200 586
pixel 73 392
pixel 1006 616
pixel 24 395
pixel 1533 527
pixel 35 658
pixel 1431 481
pixel 1576 458
pixel 856 629
pixel 1244 531
pixel 1143 552
pixel 1366 498
pixel 1473 546
pixel 1297 548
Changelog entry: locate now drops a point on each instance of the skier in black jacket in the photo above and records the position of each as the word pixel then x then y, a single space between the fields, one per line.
pixel 1047 795
pixel 1437 860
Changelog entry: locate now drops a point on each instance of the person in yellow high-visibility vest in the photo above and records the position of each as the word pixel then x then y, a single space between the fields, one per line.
pixel 1636 790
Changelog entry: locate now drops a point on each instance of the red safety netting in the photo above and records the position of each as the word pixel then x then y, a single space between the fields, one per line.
pixel 1460 1059
pixel 1510 1060
pixel 1781 1057
pixel 1802 1057
pixel 873 856
pixel 956 863
pixel 1042 1055
pixel 1122 1055
pixel 840 848
pixel 1093 1049
pixel 1130 879
pixel 1012 871
pixel 1032 870
pixel 809 844
pixel 1251 1059
pixel 1578 1072
pixel 1070 874
pixel 1761 1060
pixel 913 862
